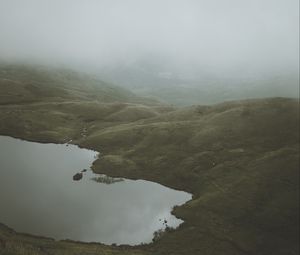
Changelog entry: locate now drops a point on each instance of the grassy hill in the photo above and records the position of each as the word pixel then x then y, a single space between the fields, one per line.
pixel 21 84
pixel 240 160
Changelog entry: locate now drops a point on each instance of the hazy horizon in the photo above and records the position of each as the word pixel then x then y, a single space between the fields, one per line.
pixel 178 38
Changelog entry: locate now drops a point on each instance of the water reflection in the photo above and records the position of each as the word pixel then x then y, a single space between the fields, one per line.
pixel 106 179
pixel 39 196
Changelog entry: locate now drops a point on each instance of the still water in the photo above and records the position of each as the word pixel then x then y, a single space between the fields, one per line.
pixel 39 196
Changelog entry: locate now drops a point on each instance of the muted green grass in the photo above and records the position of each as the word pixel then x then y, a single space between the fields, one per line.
pixel 240 160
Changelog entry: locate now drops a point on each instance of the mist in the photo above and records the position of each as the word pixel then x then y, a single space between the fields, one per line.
pixel 186 39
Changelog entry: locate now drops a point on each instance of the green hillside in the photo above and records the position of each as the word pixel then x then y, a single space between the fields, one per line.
pixel 21 83
pixel 240 160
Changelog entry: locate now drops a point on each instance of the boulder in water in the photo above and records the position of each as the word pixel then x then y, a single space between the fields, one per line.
pixel 77 177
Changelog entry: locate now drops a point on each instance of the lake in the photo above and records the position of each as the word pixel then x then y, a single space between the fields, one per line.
pixel 39 196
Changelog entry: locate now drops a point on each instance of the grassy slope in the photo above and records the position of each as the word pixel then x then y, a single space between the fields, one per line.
pixel 26 84
pixel 240 160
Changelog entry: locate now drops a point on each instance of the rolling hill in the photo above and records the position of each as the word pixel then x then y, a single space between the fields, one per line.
pixel 239 159
pixel 23 84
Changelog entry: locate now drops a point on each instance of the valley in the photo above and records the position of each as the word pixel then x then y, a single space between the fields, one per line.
pixel 239 160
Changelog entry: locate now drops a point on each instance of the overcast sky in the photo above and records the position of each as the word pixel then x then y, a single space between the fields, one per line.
pixel 220 35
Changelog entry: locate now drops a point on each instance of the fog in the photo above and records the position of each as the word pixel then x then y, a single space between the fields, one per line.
pixel 238 38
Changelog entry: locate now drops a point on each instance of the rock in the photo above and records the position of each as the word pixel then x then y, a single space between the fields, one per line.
pixel 84 170
pixel 77 177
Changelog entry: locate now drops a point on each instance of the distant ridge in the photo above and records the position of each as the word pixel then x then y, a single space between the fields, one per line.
pixel 23 83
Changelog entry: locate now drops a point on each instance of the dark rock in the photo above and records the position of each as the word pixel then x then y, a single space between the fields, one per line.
pixel 84 170
pixel 77 177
